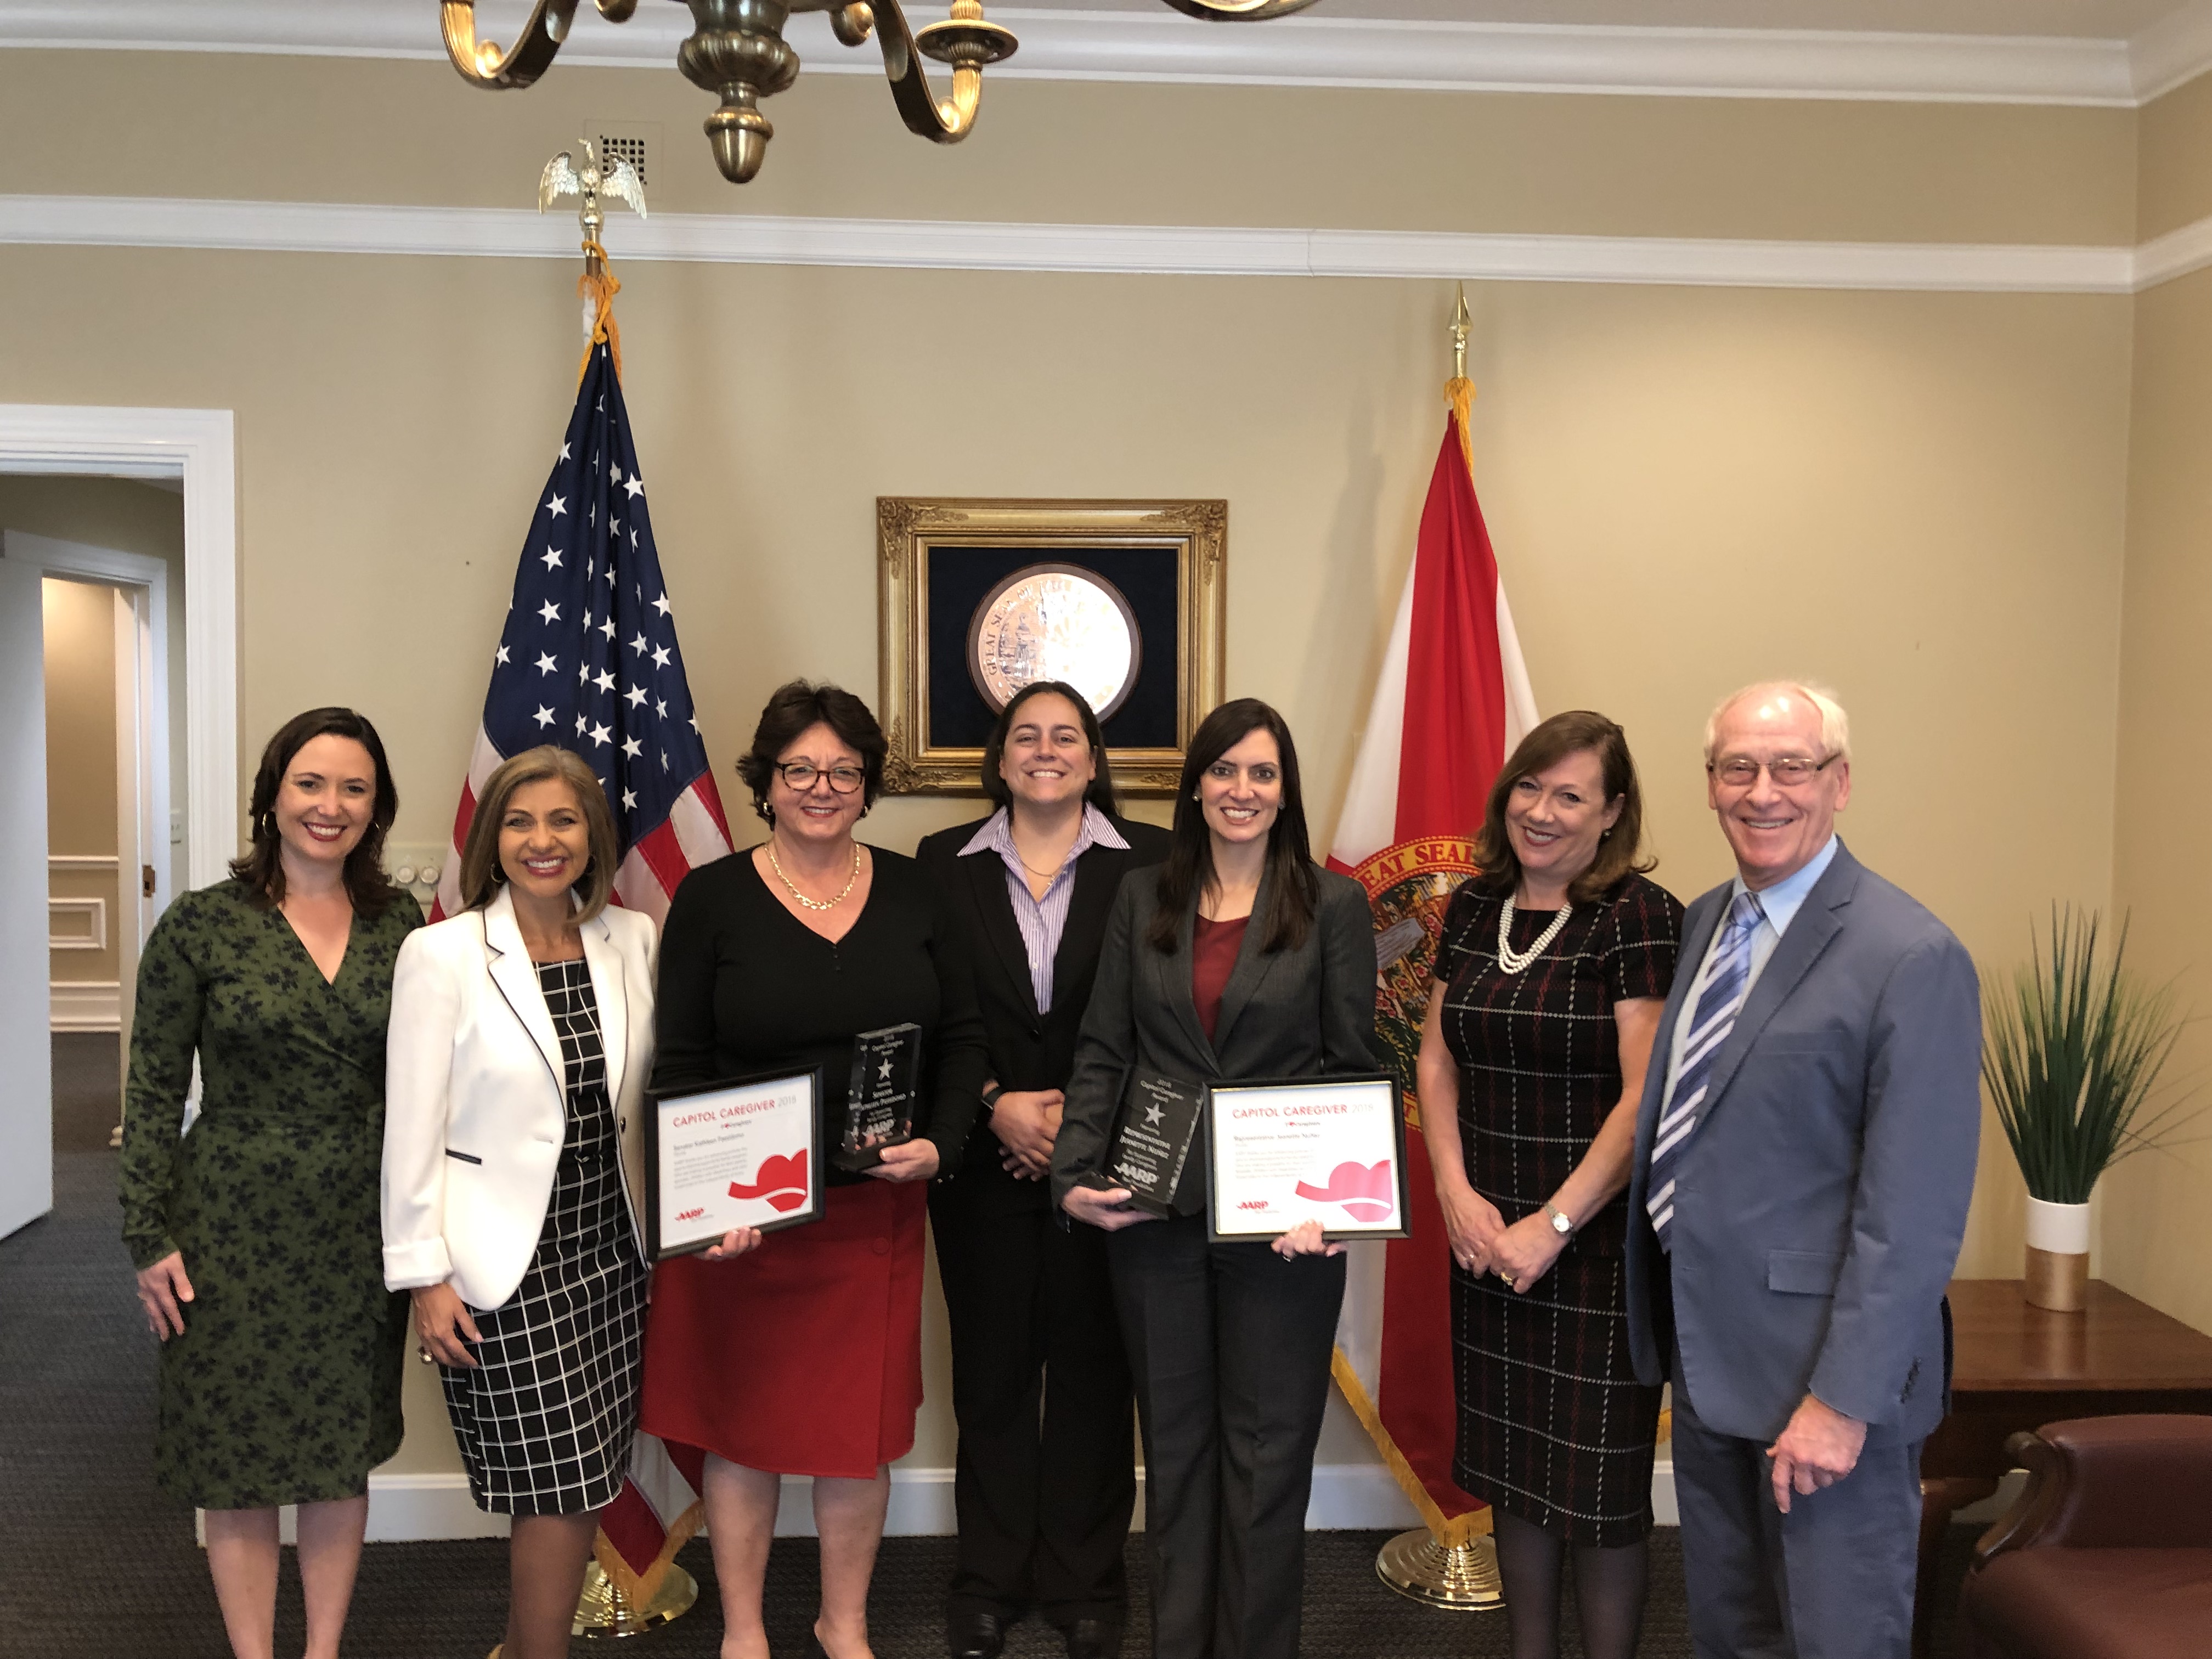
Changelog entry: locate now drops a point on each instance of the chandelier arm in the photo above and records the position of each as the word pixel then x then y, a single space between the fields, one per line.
pixel 1238 11
pixel 482 63
pixel 945 121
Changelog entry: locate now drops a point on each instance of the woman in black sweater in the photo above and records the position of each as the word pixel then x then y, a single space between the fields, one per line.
pixel 801 1353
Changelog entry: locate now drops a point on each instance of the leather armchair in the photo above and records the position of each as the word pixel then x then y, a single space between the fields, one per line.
pixel 2107 1554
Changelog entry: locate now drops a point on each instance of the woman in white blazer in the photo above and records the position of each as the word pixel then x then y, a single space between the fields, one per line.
pixel 521 1039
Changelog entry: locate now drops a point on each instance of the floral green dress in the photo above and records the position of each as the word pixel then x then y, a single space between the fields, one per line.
pixel 284 1387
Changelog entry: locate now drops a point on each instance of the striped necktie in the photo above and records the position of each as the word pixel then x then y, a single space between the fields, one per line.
pixel 1710 1025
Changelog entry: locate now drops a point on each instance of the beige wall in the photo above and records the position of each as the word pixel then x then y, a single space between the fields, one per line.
pixel 2176 159
pixel 344 129
pixel 80 665
pixel 1922 499
pixel 2155 1224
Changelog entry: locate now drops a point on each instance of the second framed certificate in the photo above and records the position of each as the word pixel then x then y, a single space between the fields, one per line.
pixel 1331 1150
pixel 737 1153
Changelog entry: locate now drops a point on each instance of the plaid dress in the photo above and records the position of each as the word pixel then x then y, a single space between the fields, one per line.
pixel 1553 1426
pixel 544 1424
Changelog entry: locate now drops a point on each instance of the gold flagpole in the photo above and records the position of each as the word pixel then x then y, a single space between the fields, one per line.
pixel 615 1601
pixel 1457 1571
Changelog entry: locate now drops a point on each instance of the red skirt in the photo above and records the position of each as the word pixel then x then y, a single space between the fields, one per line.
pixel 803 1357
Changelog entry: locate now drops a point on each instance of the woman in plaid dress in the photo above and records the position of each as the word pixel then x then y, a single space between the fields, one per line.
pixel 521 1040
pixel 1551 973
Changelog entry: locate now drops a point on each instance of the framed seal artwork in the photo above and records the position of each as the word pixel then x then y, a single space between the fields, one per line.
pixel 977 598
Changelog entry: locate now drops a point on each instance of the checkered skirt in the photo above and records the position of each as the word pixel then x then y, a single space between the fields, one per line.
pixel 545 1422
pixel 1553 1426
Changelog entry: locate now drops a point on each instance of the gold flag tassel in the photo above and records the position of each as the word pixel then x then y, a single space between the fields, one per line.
pixel 597 287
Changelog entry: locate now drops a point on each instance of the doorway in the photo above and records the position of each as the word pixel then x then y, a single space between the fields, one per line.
pixel 129 827
pixel 111 823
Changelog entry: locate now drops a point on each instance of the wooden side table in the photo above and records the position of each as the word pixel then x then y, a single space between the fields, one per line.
pixel 2018 1367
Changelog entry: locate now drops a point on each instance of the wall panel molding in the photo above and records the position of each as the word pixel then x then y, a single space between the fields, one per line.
pixel 1309 50
pixel 86 1006
pixel 1151 250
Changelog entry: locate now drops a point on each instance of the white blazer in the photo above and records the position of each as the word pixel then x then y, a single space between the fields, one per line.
pixel 473 1115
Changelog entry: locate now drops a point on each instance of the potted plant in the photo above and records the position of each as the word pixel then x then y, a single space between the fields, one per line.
pixel 2075 1046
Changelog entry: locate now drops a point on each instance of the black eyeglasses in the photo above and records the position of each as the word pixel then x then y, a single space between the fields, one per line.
pixel 1741 771
pixel 801 775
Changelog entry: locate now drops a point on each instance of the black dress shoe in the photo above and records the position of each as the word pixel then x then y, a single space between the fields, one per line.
pixel 1093 1638
pixel 978 1635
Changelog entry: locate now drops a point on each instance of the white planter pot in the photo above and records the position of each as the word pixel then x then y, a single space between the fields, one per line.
pixel 2061 1228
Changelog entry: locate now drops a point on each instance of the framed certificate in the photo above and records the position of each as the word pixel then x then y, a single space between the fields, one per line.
pixel 737 1153
pixel 1327 1149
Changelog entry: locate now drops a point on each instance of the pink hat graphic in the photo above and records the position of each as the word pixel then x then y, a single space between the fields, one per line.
pixel 782 1181
pixel 1365 1191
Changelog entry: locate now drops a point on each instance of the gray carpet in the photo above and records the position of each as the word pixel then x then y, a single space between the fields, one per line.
pixel 87 1089
pixel 98 1566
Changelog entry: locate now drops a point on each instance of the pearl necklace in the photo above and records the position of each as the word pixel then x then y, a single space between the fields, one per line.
pixel 776 864
pixel 1514 961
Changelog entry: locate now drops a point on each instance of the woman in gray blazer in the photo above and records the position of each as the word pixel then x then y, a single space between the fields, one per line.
pixel 1238 957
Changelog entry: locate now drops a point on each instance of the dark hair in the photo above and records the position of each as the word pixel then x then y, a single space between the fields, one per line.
pixel 793 707
pixel 261 868
pixel 1577 731
pixel 1293 890
pixel 481 874
pixel 1100 794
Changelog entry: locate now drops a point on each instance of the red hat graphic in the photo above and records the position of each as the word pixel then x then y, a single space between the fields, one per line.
pixel 1365 1192
pixel 781 1181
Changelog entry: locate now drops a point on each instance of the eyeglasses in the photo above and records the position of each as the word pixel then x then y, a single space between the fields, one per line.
pixel 801 775
pixel 1741 771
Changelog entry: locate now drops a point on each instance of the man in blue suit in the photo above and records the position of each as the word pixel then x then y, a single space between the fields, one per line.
pixel 1804 1155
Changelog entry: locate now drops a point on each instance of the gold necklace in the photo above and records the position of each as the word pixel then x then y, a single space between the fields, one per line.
pixel 776 864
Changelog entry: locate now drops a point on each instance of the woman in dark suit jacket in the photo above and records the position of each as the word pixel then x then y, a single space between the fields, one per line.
pixel 1044 1487
pixel 1237 958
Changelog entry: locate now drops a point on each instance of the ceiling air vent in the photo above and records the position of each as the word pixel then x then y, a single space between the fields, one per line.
pixel 637 143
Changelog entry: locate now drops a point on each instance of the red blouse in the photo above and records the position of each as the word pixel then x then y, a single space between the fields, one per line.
pixel 1213 947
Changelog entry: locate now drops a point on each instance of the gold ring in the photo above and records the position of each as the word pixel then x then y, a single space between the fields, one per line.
pixel 1507 1276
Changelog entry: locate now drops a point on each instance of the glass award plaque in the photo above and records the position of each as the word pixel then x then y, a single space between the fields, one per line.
pixel 1152 1139
pixel 879 1105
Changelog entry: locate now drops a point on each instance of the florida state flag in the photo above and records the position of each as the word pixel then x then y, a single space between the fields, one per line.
pixel 1454 692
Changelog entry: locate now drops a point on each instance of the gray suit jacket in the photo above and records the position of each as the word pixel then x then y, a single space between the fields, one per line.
pixel 1284 1013
pixel 1820 1204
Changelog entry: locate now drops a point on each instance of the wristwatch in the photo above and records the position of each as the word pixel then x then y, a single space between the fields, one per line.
pixel 991 1097
pixel 1560 1225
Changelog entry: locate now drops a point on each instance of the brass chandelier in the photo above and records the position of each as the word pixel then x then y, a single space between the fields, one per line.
pixel 736 52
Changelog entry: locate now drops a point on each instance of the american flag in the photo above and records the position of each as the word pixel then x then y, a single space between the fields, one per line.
pixel 588 660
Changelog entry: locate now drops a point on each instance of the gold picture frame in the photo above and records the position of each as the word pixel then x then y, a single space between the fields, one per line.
pixel 933 552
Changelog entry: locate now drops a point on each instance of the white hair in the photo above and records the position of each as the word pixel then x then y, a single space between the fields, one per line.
pixel 1835 724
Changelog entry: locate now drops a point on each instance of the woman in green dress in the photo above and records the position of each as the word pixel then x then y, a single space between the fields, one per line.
pixel 256 1233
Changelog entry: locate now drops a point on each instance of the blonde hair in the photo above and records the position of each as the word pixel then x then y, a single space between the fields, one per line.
pixel 1835 724
pixel 481 874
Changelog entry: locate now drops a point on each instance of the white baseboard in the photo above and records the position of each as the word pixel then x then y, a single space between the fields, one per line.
pixel 1346 1496
pixel 86 1006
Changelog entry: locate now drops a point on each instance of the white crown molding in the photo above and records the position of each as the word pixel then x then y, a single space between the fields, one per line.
pixel 2177 253
pixel 951 244
pixel 2177 48
pixel 1308 49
